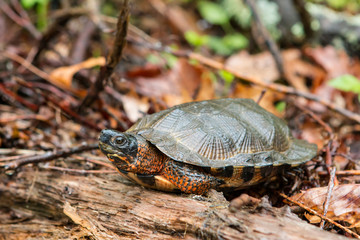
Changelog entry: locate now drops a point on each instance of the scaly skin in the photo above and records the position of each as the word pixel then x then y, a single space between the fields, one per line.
pixel 139 156
pixel 189 178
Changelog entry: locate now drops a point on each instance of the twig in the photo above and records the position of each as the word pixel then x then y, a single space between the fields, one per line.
pixel 266 37
pixel 113 58
pixel 331 137
pixel 305 17
pixel 317 119
pixel 329 161
pixel 32 185
pixel 328 195
pixel 320 215
pixel 81 171
pixel 13 97
pixel 273 86
pixel 54 29
pixel 341 173
pixel 21 21
pixel 261 96
pixel 4 151
pixel 356 162
pixel 38 117
pixel 65 108
pixel 13 158
pixel 82 42
pixel 28 66
pixel 99 162
pixel 49 156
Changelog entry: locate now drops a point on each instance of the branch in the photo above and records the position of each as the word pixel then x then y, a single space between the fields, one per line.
pixel 46 157
pixel 273 86
pixel 113 58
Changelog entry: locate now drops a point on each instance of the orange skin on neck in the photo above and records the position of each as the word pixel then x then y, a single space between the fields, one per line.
pixel 149 159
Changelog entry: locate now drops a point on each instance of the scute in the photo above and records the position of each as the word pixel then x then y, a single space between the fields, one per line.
pixel 223 132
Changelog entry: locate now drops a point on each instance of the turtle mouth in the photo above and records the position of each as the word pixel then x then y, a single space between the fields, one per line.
pixel 107 149
pixel 118 158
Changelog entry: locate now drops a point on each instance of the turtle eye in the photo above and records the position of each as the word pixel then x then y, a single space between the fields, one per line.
pixel 120 140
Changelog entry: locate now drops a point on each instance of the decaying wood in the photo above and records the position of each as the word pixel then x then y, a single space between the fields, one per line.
pixel 43 204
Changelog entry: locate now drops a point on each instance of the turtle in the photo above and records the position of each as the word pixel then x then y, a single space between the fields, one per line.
pixel 222 144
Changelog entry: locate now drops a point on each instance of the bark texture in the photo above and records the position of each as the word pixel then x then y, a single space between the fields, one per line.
pixel 37 204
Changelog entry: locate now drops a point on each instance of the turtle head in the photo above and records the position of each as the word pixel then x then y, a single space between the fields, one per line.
pixel 120 148
pixel 130 152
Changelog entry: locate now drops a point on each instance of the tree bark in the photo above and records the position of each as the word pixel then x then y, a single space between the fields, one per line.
pixel 52 205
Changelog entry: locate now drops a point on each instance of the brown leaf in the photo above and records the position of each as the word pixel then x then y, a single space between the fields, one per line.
pixel 254 92
pixel 135 108
pixel 335 63
pixel 181 83
pixel 312 133
pixel 149 70
pixel 180 20
pixel 262 66
pixel 207 88
pixel 312 218
pixel 344 204
pixel 62 76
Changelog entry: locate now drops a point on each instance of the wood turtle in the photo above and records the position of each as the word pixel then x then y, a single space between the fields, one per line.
pixel 222 144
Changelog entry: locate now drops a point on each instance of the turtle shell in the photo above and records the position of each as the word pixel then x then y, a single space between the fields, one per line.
pixel 223 132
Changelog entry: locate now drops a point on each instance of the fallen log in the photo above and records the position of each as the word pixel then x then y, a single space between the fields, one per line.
pixel 54 205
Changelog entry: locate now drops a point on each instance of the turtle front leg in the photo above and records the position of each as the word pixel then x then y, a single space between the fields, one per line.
pixel 189 178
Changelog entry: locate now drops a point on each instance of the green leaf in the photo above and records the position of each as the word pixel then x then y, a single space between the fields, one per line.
pixel 154 59
pixel 239 11
pixel 41 11
pixel 228 77
pixel 337 3
pixel 170 59
pixel 235 41
pixel 27 4
pixel 217 45
pixel 213 12
pixel 195 39
pixel 212 77
pixel 280 106
pixel 347 83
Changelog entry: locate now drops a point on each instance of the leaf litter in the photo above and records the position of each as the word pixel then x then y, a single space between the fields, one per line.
pixel 39 100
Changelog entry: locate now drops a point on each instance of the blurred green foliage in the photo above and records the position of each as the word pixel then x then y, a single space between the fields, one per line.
pixel 228 77
pixel 220 45
pixel 221 13
pixel 280 106
pixel 41 9
pixel 346 83
pixel 224 12
pixel 213 12
pixel 351 5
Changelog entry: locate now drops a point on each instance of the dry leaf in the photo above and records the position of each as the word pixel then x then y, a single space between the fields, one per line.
pixel 335 62
pixel 262 67
pixel 135 107
pixel 344 204
pixel 180 19
pixel 314 219
pixel 254 92
pixel 207 88
pixel 181 83
pixel 62 76
pixel 312 133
